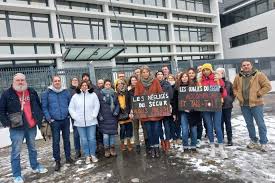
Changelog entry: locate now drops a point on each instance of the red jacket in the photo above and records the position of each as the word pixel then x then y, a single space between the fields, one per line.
pixel 153 89
pixel 211 81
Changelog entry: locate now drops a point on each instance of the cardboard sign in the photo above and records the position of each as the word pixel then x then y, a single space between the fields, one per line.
pixel 199 98
pixel 154 105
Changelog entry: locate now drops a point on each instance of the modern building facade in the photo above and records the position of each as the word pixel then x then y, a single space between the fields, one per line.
pixel 31 31
pixel 248 28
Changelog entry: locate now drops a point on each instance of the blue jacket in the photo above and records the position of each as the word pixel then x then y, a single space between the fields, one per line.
pixel 55 104
pixel 9 103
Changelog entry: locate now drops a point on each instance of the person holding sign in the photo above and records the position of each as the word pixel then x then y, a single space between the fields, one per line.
pixel 213 118
pixel 148 85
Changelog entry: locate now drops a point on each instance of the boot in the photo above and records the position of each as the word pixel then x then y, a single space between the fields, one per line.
pixel 147 146
pixel 69 161
pixel 122 146
pixel 77 154
pixel 162 143
pixel 222 152
pixel 167 145
pixel 107 152
pixel 57 166
pixel 113 151
pixel 129 145
pixel 157 152
pixel 153 152
pixel 138 149
pixel 212 152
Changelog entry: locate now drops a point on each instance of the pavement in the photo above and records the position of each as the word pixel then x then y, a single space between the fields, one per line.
pixel 242 166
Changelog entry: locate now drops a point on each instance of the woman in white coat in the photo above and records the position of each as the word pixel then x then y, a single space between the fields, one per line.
pixel 84 108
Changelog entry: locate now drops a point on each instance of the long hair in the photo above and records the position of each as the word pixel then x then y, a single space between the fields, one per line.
pixel 179 82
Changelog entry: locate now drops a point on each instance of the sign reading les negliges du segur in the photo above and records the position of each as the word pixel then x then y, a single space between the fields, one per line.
pixel 200 98
pixel 154 105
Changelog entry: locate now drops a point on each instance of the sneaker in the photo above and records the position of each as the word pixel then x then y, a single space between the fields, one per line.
pixel 40 169
pixel 18 179
pixel 230 143
pixel 94 159
pixel 198 145
pixel 179 141
pixel 253 145
pixel 264 148
pixel 88 160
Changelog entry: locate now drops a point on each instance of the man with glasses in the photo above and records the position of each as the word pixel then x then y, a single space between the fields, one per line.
pixel 249 87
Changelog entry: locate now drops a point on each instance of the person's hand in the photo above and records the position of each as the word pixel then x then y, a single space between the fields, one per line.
pixel 174 117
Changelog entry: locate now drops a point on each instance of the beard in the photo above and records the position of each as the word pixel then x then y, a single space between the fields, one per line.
pixel 20 88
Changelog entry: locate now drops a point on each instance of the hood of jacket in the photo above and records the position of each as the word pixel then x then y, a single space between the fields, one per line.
pixel 56 90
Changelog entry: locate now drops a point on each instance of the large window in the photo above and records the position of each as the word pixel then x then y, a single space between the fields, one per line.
pixel 139 31
pixel 82 28
pixel 193 34
pixel 189 49
pixel 246 12
pixel 140 13
pixel 23 49
pixel 191 18
pixel 146 49
pixel 250 37
pixel 64 4
pixel 3 26
pixel 146 2
pixel 29 2
pixel 192 5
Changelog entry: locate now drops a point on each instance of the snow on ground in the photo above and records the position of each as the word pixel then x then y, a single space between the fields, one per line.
pixel 245 164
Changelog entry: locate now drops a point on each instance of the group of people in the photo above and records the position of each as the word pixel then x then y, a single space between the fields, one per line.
pixel 96 112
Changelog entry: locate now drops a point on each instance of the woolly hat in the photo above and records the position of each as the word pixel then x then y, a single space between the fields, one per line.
pixel 207 66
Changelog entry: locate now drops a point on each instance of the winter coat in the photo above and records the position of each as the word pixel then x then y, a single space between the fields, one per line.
pixel 155 88
pixel 211 81
pixel 72 90
pixel 107 119
pixel 127 109
pixel 55 104
pixel 259 86
pixel 9 103
pixel 166 87
pixel 84 108
pixel 229 99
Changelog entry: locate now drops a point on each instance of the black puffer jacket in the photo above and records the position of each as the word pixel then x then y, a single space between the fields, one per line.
pixel 229 99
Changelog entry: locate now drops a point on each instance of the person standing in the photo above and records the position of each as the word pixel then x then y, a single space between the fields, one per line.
pixel 227 106
pixel 149 85
pixel 109 109
pixel 249 87
pixel 55 103
pixel 72 90
pixel 21 102
pixel 213 118
pixel 84 108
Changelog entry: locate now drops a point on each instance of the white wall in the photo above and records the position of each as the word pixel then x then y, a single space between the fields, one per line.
pixel 265 48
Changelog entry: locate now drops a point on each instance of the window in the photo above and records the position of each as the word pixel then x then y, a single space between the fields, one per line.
pixel 153 33
pixel 141 32
pixel 18 1
pixel 23 49
pixel 192 5
pixel 67 27
pixel 250 37
pixel 262 6
pixel 20 25
pixel 41 26
pixel 44 49
pixel 3 27
pixel 82 28
pixel 5 49
pixel 128 31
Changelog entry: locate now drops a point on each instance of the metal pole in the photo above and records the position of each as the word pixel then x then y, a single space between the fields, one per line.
pixel 92 72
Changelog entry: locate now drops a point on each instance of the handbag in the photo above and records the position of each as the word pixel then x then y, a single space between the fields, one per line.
pixel 45 130
pixel 123 116
pixel 16 118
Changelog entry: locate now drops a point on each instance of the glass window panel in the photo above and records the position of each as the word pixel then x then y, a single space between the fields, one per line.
pixel 192 19
pixel 151 14
pixel 153 35
pixel 19 16
pixel 150 2
pixel 18 1
pixel 139 13
pixel 3 28
pixel 195 49
pixel 85 54
pixel 199 7
pixel 173 4
pixel 178 49
pixel 98 32
pixel 190 5
pixel 23 49
pixel 128 31
pixel 116 35
pixel 124 11
pixel 186 49
pixel 141 34
pixel 131 49
pixel 16 28
pixel 177 35
pixel 143 49
pixel 137 1
pixel 63 4
pixel 5 49
pixel 110 53
pixel 132 60
pixel 181 4
pixel 184 36
pixel 99 53
pixel 82 31
pixel 160 3
pixel 165 49
pixel 42 29
pixel 262 6
pixel 95 7
pixel 67 30
pixel 73 53
pixel 44 49
pixel 144 60
pixel 156 59
pixel 79 6
pixel 155 49
pixel 38 2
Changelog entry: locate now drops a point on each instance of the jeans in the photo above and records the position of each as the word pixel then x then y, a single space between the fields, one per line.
pixel 126 131
pixel 88 141
pixel 226 120
pixel 257 113
pixel 76 139
pixel 186 128
pixel 17 136
pixel 175 130
pixel 64 127
pixel 213 120
pixel 108 140
pixel 152 128
pixel 136 125
pixel 167 130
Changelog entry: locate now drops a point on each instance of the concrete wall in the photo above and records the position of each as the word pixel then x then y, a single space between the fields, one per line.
pixel 263 48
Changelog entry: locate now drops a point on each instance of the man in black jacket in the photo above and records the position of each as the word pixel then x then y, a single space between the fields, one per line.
pixel 20 110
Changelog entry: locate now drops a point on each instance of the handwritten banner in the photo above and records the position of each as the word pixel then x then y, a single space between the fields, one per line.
pixel 154 105
pixel 200 98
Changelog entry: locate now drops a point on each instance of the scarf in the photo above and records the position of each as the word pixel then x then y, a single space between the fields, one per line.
pixel 56 90
pixel 108 97
pixel 147 82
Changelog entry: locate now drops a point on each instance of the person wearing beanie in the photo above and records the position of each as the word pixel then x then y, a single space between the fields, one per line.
pixel 213 118
pixel 227 106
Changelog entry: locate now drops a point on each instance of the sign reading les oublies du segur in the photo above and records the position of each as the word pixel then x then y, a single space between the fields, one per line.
pixel 200 98
pixel 154 105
